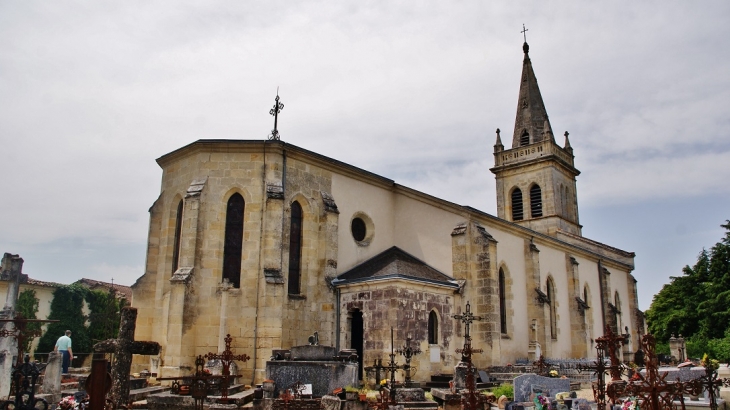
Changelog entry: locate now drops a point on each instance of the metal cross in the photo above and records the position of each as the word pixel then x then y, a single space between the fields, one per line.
pixel 275 112
pixel 610 343
pixel 408 352
pixel 652 389
pixel 226 358
pixel 466 319
pixel 524 30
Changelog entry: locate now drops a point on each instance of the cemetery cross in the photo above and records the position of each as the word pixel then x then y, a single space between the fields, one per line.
pixel 653 391
pixel 408 352
pixel 123 348
pixel 471 400
pixel 226 358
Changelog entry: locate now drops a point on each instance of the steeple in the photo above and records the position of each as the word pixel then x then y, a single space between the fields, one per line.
pixel 531 123
pixel 536 185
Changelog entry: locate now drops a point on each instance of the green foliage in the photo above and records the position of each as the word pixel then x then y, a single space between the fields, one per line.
pixel 104 317
pixel 504 389
pixel 67 307
pixel 27 307
pixel 697 304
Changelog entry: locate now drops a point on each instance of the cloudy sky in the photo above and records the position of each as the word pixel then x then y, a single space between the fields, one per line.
pixel 91 93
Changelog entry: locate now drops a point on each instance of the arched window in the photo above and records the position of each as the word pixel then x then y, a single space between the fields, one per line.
pixel 233 246
pixel 552 304
pixel 535 201
pixel 525 138
pixel 295 249
pixel 433 328
pixel 517 213
pixel 502 302
pixel 617 311
pixel 585 295
pixel 178 232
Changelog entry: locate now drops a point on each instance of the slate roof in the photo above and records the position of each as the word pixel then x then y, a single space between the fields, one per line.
pixel 394 263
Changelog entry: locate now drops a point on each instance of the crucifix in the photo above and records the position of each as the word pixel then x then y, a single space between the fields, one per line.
pixel 524 31
pixel 408 352
pixel 392 367
pixel 466 318
pixel 377 367
pixel 653 390
pixel 599 369
pixel 275 112
pixel 611 343
pixel 471 399
pixel 226 358
pixel 123 348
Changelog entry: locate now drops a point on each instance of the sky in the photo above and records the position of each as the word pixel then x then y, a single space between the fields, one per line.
pixel 91 93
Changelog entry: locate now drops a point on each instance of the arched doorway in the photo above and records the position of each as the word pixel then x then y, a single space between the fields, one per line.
pixel 356 337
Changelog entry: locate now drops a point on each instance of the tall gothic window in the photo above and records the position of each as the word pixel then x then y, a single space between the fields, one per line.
pixel 178 232
pixel 295 249
pixel 535 201
pixel 233 247
pixel 517 213
pixel 525 138
pixel 433 328
pixel 552 305
pixel 617 304
pixel 502 302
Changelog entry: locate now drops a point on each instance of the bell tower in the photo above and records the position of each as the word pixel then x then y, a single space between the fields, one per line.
pixel 536 177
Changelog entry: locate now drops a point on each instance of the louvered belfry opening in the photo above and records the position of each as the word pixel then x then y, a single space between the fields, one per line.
pixel 517 211
pixel 524 139
pixel 535 201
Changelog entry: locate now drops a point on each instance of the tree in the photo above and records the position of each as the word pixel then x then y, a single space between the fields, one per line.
pixel 66 306
pixel 28 307
pixel 697 304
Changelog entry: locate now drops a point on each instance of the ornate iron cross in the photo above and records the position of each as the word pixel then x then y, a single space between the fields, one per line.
pixel 653 391
pixel 610 343
pixel 467 318
pixel 275 112
pixel 408 352
pixel 226 358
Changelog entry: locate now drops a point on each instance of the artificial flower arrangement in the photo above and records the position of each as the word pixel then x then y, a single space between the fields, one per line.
pixel 68 403
pixel 542 402
pixel 630 404
pixel 553 373
pixel 709 364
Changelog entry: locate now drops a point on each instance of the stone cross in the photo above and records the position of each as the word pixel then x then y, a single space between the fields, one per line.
pixel 123 348
pixel 408 352
pixel 226 358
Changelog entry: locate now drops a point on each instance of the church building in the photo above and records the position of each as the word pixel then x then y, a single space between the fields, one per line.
pixel 270 242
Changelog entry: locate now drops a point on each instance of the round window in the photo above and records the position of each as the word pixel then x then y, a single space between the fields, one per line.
pixel 359 230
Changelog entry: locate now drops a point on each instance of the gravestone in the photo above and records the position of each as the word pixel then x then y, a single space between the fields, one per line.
pixel 526 384
pixel 52 377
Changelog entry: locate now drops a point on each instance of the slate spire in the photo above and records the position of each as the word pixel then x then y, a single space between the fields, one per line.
pixel 531 123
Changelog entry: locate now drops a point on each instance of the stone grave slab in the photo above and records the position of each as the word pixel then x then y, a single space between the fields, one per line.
pixel 526 384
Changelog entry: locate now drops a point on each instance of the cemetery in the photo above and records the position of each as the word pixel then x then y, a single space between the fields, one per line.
pixel 315 376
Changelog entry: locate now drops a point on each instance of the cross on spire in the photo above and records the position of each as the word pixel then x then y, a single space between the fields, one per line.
pixel 524 31
pixel 275 112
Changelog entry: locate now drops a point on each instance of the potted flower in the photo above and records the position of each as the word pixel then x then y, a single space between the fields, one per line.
pixel 363 394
